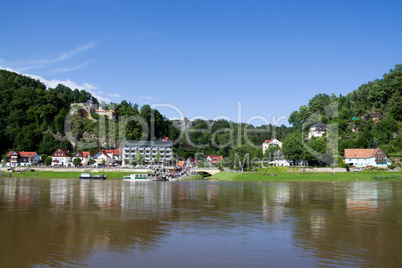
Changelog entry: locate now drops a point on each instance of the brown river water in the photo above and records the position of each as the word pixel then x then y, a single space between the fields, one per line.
pixel 73 223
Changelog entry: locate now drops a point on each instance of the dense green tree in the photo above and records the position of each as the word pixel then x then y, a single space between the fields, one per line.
pixel 292 147
pixel 76 161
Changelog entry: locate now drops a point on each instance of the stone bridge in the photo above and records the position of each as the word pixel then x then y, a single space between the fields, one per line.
pixel 206 171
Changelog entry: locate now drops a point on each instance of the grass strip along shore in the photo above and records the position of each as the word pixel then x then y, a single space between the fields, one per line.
pixel 308 176
pixel 61 174
pixel 245 176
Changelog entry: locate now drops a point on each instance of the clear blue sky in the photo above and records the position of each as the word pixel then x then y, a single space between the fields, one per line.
pixel 204 56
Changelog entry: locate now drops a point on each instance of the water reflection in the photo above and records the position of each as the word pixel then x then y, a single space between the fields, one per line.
pixel 72 223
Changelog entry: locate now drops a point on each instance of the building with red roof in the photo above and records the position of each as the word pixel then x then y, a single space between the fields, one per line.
pixel 115 155
pixel 61 158
pixel 366 157
pixel 268 143
pixel 83 156
pixel 213 159
pixel 16 158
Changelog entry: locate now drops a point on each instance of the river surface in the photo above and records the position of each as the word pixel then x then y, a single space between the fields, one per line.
pixel 73 223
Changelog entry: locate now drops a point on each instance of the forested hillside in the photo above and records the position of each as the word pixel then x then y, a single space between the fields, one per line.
pixel 32 118
pixel 369 117
pixel 31 115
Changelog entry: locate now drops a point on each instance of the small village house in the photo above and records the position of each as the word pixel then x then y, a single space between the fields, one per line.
pixel 267 143
pixel 317 130
pixel 191 162
pixel 115 156
pixel 366 158
pixel 15 159
pixel 83 156
pixel 213 159
pixel 61 158
pixel 101 158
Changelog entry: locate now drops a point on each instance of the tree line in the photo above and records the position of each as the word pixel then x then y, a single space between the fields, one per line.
pixel 32 119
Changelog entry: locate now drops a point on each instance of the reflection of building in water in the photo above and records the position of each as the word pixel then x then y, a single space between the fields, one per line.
pixel 9 190
pixel 150 197
pixel 274 200
pixel 212 193
pixel 362 197
pixel 61 191
pixel 21 191
pixel 104 194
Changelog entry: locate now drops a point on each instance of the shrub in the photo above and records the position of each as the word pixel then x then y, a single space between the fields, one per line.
pixel 392 166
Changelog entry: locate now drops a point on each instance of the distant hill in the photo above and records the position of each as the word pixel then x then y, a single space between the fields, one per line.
pixel 32 119
pixel 368 117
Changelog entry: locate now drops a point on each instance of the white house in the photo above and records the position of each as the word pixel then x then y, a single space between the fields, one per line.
pixel 83 156
pixel 266 144
pixel 101 158
pixel 115 156
pixel 15 159
pixel 366 157
pixel 317 130
pixel 61 158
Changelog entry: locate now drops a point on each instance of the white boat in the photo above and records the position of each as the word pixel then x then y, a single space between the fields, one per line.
pixel 137 177
pixel 89 176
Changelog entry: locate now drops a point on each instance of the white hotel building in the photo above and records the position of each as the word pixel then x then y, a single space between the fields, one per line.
pixel 148 150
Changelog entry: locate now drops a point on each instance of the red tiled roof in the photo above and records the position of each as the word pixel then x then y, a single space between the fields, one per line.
pixel 181 163
pixel 83 154
pixel 363 153
pixel 115 152
pixel 61 150
pixel 214 158
pixel 268 141
pixel 103 152
pixel 193 161
pixel 22 154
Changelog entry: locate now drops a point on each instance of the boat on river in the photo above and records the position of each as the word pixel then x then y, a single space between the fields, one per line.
pixel 144 177
pixel 137 177
pixel 90 176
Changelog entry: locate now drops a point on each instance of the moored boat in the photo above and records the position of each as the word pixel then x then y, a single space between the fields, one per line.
pixel 89 176
pixel 137 177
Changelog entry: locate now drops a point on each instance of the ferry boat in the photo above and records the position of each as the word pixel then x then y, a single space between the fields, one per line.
pixel 137 177
pixel 89 176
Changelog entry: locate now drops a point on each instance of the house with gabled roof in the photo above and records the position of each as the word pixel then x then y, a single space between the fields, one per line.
pixel 115 155
pixel 213 159
pixel 61 158
pixel 83 156
pixel 191 162
pixel 16 158
pixel 101 158
pixel 317 130
pixel 366 158
pixel 267 143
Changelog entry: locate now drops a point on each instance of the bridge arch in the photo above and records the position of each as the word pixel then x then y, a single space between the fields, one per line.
pixel 204 173
pixel 207 172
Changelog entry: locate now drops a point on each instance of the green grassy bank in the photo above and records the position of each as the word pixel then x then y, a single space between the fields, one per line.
pixel 247 176
pixel 61 175
pixel 308 176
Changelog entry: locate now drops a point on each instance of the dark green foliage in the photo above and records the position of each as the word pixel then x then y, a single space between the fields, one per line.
pixel 28 110
pixel 380 99
pixel 48 160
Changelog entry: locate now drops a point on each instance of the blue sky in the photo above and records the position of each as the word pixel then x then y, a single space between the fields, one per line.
pixel 204 57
